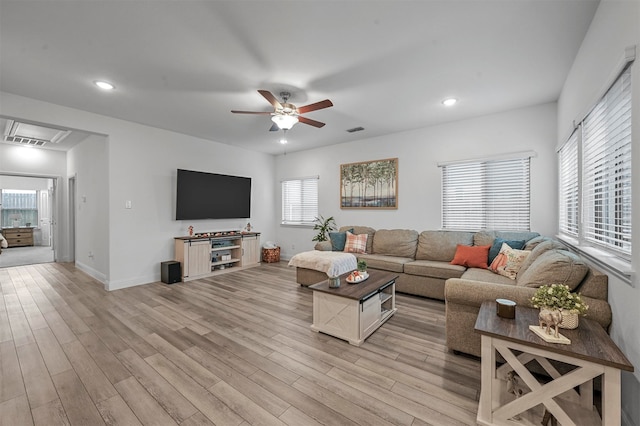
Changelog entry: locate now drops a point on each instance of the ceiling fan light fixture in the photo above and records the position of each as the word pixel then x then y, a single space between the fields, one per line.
pixel 284 122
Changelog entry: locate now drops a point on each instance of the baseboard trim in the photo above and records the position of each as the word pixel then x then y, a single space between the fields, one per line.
pixel 92 272
pixel 131 282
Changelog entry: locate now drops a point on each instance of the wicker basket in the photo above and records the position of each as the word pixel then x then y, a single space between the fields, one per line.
pixel 569 321
pixel 271 255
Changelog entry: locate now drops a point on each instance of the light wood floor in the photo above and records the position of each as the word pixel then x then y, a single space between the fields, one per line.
pixel 235 349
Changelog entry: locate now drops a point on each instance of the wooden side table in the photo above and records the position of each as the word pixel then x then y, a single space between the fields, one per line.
pixel 591 350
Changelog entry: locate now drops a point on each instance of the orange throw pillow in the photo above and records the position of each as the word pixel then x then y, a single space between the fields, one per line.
pixel 471 256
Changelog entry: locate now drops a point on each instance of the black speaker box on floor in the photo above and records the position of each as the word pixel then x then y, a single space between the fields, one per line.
pixel 170 272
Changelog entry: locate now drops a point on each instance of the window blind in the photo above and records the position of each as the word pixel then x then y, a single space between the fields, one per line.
pixel 568 179
pixel 606 169
pixel 486 195
pixel 299 201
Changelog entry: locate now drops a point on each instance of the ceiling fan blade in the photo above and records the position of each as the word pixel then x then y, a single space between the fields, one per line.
pixel 313 107
pixel 310 122
pixel 251 112
pixel 272 99
pixel 274 128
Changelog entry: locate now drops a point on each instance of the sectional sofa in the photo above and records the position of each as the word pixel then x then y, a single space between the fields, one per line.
pixel 423 262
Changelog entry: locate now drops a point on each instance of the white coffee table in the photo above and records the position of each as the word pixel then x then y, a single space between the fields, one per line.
pixel 353 311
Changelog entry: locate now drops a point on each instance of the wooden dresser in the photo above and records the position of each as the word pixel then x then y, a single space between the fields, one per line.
pixel 18 237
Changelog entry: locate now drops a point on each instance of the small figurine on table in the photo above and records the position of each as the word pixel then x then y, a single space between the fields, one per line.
pixel 190 231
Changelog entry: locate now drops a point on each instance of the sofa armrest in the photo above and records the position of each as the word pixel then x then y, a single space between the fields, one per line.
pixel 473 293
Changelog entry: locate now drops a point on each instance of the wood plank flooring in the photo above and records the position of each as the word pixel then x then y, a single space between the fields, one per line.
pixel 235 349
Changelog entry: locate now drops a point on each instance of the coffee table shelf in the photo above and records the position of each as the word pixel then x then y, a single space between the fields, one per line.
pixel 353 311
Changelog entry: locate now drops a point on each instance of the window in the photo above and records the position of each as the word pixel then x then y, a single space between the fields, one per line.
pixel 600 152
pixel 19 207
pixel 487 194
pixel 299 201
pixel 568 178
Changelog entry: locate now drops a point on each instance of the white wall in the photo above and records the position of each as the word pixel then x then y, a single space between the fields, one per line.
pixel 87 162
pixel 615 26
pixel 419 185
pixel 141 165
pixel 24 183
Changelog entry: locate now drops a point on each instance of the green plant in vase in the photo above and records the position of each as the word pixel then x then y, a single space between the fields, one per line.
pixel 559 297
pixel 323 226
pixel 362 266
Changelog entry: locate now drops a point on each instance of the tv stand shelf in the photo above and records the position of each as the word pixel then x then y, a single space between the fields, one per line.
pixel 212 253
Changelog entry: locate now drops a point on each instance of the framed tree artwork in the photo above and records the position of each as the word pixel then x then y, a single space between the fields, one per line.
pixel 369 184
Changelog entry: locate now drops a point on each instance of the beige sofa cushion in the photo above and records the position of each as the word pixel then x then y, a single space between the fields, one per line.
pixel 384 262
pixel 486 276
pixel 434 269
pixel 441 245
pixel 396 242
pixel 554 267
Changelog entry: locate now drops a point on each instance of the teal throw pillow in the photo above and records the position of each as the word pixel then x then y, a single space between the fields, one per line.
pixel 338 240
pixel 497 245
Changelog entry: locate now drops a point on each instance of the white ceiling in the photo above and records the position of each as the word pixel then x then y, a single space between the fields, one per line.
pixel 386 65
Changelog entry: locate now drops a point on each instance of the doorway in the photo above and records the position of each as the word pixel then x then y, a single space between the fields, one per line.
pixel 27 206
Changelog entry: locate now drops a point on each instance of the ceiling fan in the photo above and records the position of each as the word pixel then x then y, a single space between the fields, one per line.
pixel 286 115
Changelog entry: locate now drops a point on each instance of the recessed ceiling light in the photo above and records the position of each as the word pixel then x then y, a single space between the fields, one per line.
pixel 449 102
pixel 104 85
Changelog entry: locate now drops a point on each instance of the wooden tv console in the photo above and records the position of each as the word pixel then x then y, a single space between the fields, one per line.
pixel 204 255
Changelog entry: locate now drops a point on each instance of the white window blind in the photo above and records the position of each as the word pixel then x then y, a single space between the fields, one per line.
pixel 568 179
pixel 606 169
pixel 486 195
pixel 299 201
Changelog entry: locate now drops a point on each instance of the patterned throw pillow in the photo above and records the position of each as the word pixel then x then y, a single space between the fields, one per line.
pixel 508 261
pixel 497 246
pixel 355 243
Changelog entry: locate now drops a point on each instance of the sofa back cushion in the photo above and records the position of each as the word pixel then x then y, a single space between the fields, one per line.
pixel 484 238
pixel 441 245
pixel 396 242
pixel 554 267
pixel 358 230
pixel 595 285
pixel 537 250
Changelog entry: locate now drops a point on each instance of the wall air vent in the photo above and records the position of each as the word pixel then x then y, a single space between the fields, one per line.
pixel 32 134
pixel 355 129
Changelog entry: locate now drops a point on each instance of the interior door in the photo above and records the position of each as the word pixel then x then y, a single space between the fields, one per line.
pixel 44 210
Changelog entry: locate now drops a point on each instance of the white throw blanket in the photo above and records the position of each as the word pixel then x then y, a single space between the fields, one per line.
pixel 334 263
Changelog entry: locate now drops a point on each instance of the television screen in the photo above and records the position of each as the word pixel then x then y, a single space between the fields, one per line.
pixel 201 195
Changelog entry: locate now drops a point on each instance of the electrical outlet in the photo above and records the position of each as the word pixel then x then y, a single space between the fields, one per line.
pixel 293 246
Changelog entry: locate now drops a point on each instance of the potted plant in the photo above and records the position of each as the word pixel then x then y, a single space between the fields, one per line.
pixel 559 297
pixel 362 266
pixel 323 226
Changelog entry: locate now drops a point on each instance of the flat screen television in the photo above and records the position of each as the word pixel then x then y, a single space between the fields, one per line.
pixel 201 195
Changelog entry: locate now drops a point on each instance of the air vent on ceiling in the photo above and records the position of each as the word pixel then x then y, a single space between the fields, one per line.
pixel 32 134
pixel 355 129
